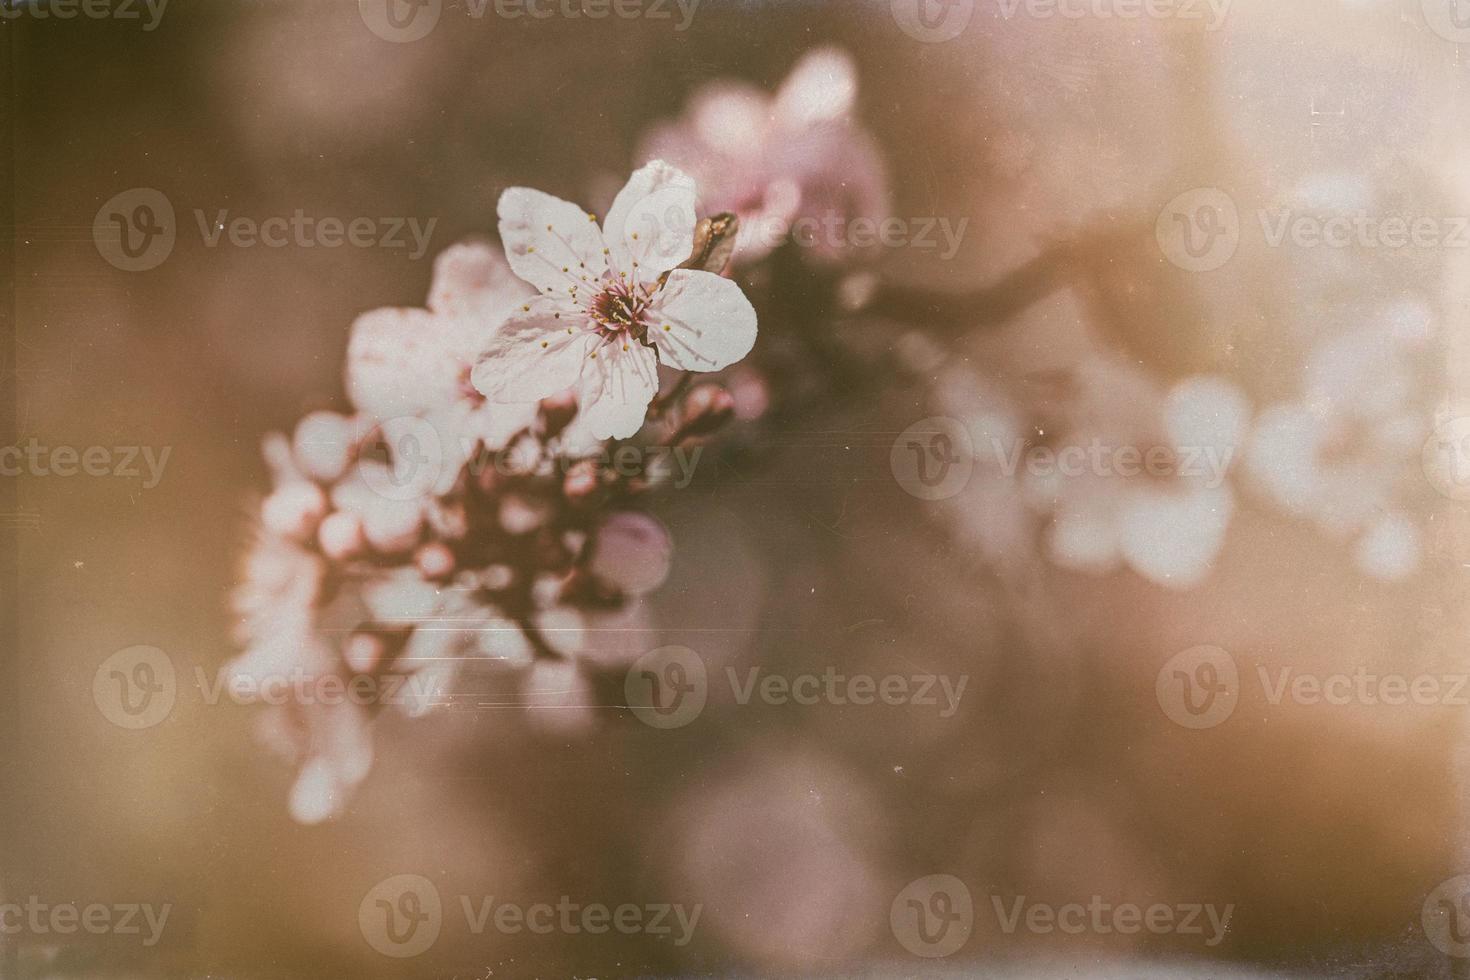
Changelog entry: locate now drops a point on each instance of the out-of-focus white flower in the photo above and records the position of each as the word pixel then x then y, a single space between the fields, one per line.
pixel 1338 453
pixel 1097 515
pixel 389 523
pixel 324 444
pixel 296 505
pixel 405 365
pixel 277 604
pixel 606 317
pixel 450 623
pixel 776 160
pixel 559 697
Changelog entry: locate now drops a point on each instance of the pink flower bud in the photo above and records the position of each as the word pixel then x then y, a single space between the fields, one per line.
pixel 324 444
pixel 632 552
pixel 706 410
pixel 341 536
pixel 294 510
pixel 581 482
pixel 363 652
pixel 435 560
pixel 519 515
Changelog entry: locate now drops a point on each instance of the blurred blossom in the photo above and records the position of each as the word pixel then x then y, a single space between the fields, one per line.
pixel 1168 527
pixel 407 364
pixel 1339 454
pixel 783 843
pixel 408 525
pixel 775 161
pixel 632 553
pixel 559 698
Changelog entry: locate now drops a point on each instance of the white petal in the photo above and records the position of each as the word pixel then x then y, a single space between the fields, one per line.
pixel 473 278
pixel 1172 539
pixel 1283 457
pixel 1391 550
pixel 616 390
pixel 701 322
pixel 559 696
pixel 821 89
pixel 652 222
pixel 1207 412
pixel 533 355
pixel 398 363
pixel 317 795
pixel 550 243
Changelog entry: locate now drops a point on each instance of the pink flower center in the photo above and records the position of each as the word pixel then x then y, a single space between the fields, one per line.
pixel 619 309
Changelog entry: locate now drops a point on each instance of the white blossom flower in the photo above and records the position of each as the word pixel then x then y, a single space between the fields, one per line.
pixel 409 370
pixel 450 624
pixel 277 604
pixel 606 317
pixel 1338 453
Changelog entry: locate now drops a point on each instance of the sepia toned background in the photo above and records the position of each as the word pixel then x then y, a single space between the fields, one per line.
pixel 1061 775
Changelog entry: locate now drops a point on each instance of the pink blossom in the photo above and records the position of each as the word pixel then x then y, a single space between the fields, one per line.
pixel 409 369
pixel 775 160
